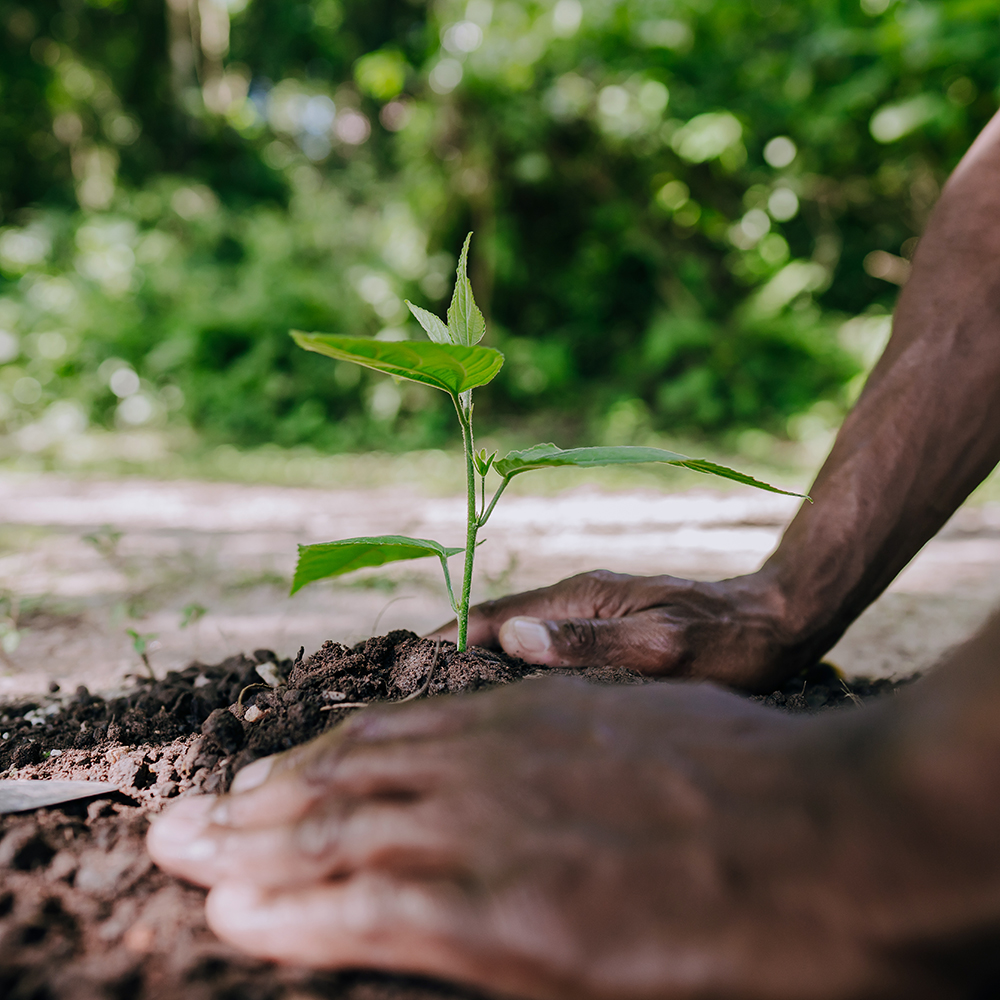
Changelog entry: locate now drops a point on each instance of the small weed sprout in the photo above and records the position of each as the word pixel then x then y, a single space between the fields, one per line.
pixel 453 362
pixel 143 646
pixel 192 613
pixel 105 540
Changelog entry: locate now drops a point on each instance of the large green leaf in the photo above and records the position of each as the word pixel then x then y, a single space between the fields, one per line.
pixel 465 322
pixel 543 456
pixel 453 368
pixel 317 562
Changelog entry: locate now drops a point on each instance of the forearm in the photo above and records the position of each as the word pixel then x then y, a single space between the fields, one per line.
pixel 925 431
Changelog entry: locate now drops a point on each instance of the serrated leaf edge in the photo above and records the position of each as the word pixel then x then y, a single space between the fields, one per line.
pixel 466 323
pixel 433 325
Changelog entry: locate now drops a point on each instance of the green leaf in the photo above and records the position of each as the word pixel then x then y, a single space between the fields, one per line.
pixel 465 322
pixel 453 368
pixel 317 562
pixel 543 456
pixel 140 643
pixel 483 461
pixel 433 325
pixel 192 613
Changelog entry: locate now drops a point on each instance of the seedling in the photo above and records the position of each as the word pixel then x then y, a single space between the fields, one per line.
pixel 143 645
pixel 192 613
pixel 453 363
pixel 105 540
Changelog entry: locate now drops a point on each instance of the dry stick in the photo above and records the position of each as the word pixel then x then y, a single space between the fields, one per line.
pixel 250 687
pixel 378 617
pixel 422 690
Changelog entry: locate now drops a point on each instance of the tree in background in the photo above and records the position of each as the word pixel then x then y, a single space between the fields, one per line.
pixel 690 214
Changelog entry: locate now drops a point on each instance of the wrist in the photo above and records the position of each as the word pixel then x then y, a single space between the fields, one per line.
pixel 747 642
pixel 808 619
pixel 785 632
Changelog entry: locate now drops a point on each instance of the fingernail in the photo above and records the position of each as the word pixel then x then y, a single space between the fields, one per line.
pixel 531 635
pixel 190 811
pixel 252 775
pixel 219 815
pixel 199 849
pixel 179 831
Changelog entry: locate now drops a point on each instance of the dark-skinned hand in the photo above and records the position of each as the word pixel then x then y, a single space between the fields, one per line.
pixel 731 631
pixel 556 840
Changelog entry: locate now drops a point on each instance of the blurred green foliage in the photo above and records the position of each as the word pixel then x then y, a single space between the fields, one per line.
pixel 679 204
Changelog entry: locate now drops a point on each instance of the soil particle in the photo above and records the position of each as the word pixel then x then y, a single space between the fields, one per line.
pixel 822 686
pixel 225 730
pixel 84 914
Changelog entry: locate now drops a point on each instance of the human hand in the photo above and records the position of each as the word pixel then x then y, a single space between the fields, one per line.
pixel 731 631
pixel 555 840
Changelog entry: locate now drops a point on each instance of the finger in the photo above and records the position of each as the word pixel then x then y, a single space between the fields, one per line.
pixel 263 855
pixel 369 920
pixel 399 771
pixel 277 786
pixel 182 823
pixel 642 642
pixel 287 785
pixel 334 840
pixel 487 619
pixel 598 594
pixel 428 719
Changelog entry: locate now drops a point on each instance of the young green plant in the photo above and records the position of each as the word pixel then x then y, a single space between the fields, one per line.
pixel 453 362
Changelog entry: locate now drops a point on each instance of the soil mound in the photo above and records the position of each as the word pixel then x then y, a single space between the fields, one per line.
pixel 84 914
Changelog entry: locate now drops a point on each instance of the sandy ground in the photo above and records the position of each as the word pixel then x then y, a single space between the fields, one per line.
pixel 83 561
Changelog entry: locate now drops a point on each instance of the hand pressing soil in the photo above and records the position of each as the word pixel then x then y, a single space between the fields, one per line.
pixel 83 913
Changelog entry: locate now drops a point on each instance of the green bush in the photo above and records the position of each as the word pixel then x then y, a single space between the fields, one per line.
pixel 678 204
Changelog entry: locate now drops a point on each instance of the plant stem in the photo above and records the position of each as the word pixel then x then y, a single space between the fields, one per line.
pixel 447 583
pixel 496 496
pixel 472 521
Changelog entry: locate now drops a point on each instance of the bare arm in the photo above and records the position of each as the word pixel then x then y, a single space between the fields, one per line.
pixel 924 433
pixel 926 430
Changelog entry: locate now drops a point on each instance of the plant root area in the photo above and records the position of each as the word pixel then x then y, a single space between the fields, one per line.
pixel 84 913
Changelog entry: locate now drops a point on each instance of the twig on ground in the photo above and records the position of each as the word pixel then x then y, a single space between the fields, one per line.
pixel 378 617
pixel 250 687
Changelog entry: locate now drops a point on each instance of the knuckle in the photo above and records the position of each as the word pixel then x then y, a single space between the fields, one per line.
pixel 600 578
pixel 317 834
pixel 606 593
pixel 578 635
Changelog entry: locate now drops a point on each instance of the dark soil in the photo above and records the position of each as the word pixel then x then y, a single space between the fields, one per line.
pixel 84 914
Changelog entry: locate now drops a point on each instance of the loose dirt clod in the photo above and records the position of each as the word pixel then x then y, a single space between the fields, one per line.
pixel 84 914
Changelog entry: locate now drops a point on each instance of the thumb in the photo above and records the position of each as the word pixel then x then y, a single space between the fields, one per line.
pixel 639 642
